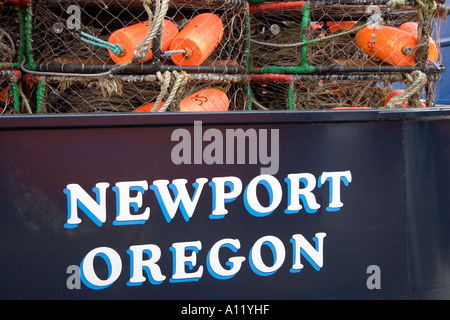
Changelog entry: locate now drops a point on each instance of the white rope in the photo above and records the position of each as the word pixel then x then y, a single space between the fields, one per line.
pixel 180 79
pixel 417 81
pixel 66 74
pixel 155 22
pixel 396 4
pixel 166 54
pixel 165 82
pixel 299 44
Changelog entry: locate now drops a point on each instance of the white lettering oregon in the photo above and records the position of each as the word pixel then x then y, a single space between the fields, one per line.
pixel 144 261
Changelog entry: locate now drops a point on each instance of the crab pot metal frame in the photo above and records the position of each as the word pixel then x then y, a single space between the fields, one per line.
pixel 57 48
pixel 318 36
pixel 126 93
pixel 338 91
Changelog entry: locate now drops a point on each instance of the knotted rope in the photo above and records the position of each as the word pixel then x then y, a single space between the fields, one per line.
pixel 155 22
pixel 179 85
pixel 416 82
pixel 425 10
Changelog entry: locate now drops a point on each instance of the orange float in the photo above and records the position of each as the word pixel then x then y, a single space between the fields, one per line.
pixel 148 107
pixel 130 36
pixel 413 28
pixel 387 44
pixel 198 39
pixel 205 100
pixel 316 26
pixel 200 101
pixel 335 26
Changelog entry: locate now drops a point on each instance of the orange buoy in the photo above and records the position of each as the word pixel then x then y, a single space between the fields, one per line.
pixel 205 100
pixel 130 36
pixel 202 100
pixel 397 92
pixel 316 26
pixel 413 28
pixel 387 44
pixel 335 26
pixel 148 107
pixel 198 39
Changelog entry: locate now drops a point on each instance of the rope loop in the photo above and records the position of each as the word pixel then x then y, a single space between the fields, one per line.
pixel 416 82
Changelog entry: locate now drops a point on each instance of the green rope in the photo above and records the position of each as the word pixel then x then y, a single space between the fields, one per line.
pixel 290 96
pixel 15 89
pixel 115 48
pixel 304 25
pixel 21 50
pixel 7 65
pixel 249 95
pixel 305 67
pixel 40 93
pixel 28 31
pixel 286 70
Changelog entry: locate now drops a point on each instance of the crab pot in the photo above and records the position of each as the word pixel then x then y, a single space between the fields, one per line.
pixel 123 25
pixel 340 91
pixel 11 17
pixel 308 37
pixel 136 93
pixel 75 95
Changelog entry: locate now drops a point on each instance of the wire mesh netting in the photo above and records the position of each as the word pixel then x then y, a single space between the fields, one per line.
pixel 9 34
pixel 143 93
pixel 80 56
pixel 366 55
pixel 358 91
pixel 299 33
pixel 108 32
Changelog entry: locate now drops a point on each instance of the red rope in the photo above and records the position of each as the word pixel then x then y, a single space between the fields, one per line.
pixel 277 6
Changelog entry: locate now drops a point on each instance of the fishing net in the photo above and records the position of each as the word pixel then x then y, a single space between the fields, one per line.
pixel 80 56
pixel 306 37
pixel 357 49
pixel 129 93
pixel 73 35
pixel 9 34
pixel 358 91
